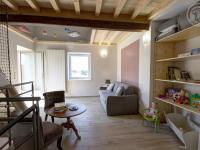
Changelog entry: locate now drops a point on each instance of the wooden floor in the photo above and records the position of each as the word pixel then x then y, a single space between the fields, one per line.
pixel 100 132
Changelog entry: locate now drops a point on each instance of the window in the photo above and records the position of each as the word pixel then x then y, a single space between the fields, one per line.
pixel 79 66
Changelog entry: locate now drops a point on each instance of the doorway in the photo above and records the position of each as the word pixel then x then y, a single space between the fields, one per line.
pixel 32 69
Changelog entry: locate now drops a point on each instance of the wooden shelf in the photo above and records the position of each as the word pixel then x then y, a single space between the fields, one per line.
pixel 182 106
pixel 185 34
pixel 192 57
pixel 180 82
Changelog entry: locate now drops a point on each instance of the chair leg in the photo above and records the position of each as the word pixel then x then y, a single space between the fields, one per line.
pixel 59 143
pixel 52 119
pixel 46 116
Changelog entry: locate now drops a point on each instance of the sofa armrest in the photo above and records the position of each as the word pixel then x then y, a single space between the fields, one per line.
pixel 122 105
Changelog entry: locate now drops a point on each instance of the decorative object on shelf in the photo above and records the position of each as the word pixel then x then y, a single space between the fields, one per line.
pixel 178 95
pixel 170 92
pixel 152 115
pixel 167 28
pixel 195 51
pixel 184 54
pixel 185 76
pixel 195 100
pixel 183 97
pixel 170 74
pixel 177 74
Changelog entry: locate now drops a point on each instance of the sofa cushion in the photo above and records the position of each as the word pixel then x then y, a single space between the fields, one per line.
pixel 119 91
pixel 116 85
pixel 110 87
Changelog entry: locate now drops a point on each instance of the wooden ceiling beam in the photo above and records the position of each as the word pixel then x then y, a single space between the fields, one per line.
pixel 119 7
pixel 93 34
pixel 55 5
pixel 123 36
pixel 101 24
pixel 77 6
pixel 103 35
pixel 140 7
pixel 11 4
pixel 162 7
pixel 86 19
pixel 98 7
pixel 114 34
pixel 49 12
pixel 33 4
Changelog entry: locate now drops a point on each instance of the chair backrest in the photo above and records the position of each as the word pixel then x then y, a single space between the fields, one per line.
pixel 53 97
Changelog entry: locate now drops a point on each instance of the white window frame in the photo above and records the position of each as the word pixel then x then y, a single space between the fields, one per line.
pixel 69 54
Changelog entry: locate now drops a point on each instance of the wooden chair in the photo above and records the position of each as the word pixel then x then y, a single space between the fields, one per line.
pixel 50 99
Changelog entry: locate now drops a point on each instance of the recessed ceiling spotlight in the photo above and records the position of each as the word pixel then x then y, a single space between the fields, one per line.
pixel 74 34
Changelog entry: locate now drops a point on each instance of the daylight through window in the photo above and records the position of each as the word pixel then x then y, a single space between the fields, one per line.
pixel 79 66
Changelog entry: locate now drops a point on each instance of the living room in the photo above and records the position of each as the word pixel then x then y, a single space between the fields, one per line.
pixel 107 74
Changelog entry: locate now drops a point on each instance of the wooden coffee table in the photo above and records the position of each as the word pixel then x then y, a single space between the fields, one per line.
pixel 68 114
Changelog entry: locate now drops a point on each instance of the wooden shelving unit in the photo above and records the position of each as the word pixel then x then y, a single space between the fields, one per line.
pixel 182 106
pixel 174 59
pixel 165 56
pixel 185 34
pixel 178 82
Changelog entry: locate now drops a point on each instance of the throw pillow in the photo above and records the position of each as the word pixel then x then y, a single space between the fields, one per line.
pixel 110 87
pixel 119 91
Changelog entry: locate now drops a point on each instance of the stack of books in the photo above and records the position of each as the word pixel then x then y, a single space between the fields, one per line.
pixel 60 107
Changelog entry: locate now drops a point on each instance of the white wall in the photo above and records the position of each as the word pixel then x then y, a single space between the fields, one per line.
pixel 144 68
pixel 14 40
pixel 102 68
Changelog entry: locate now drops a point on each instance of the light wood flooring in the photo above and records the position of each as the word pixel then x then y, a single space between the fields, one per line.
pixel 100 132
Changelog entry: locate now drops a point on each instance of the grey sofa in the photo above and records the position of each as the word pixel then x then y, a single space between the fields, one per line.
pixel 125 104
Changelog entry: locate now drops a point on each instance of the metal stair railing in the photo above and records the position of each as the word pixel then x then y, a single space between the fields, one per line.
pixel 17 98
pixel 21 118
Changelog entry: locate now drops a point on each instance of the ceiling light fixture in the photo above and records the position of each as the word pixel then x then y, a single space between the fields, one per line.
pixel 74 34
pixel 104 53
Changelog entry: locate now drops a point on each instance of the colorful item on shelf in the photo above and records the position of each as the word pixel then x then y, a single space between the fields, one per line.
pixel 183 97
pixel 170 92
pixel 195 100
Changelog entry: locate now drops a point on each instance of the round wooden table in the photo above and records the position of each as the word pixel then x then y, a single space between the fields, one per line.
pixel 68 114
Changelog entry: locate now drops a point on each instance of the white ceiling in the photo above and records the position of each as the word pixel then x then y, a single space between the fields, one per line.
pixel 54 32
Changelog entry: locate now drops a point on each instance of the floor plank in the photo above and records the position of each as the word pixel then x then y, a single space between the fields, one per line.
pixel 100 132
